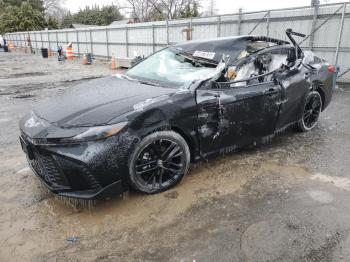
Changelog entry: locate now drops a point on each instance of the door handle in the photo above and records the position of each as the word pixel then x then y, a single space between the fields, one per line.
pixel 271 91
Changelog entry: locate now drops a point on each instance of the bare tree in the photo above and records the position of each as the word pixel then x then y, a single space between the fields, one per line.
pixel 211 10
pixel 170 8
pixel 142 10
pixel 54 8
pixel 148 10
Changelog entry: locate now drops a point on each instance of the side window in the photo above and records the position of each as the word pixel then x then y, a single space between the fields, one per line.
pixel 249 72
pixel 263 64
pixel 281 57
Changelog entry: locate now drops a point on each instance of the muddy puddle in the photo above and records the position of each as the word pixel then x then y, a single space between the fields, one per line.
pixel 35 224
pixel 43 227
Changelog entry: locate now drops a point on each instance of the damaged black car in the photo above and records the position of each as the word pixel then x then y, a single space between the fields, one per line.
pixel 187 102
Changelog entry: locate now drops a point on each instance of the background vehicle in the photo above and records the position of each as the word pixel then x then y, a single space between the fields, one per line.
pixel 186 102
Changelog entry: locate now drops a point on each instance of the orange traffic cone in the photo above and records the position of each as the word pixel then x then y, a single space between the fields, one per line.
pixel 69 53
pixel 113 63
pixel 85 60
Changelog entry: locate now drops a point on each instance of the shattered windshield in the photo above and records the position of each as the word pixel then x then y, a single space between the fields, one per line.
pixel 172 68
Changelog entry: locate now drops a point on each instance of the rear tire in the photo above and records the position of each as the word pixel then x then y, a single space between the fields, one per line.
pixel 158 162
pixel 311 112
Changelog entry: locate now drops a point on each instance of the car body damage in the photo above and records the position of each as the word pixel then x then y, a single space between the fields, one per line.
pixel 184 103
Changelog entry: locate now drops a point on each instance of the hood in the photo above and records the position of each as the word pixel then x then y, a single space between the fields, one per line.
pixel 97 102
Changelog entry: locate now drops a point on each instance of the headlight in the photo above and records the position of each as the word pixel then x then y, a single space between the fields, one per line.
pixel 96 133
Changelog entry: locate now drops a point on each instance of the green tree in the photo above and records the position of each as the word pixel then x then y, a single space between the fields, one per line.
pixel 190 10
pixel 37 4
pixel 52 23
pixel 67 20
pixel 22 18
pixel 93 16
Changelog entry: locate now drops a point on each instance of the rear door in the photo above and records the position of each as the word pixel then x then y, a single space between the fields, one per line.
pixel 236 116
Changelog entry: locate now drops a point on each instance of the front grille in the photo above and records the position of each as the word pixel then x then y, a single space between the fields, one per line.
pixel 46 168
pixel 59 172
pixel 78 175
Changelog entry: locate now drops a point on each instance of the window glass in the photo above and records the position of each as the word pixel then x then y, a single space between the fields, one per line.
pixel 170 67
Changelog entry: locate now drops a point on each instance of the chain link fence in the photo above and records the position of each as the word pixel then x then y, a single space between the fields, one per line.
pixel 327 28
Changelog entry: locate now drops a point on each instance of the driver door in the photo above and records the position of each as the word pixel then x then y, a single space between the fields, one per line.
pixel 232 117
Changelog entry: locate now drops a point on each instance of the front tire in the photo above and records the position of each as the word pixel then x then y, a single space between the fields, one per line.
pixel 311 113
pixel 158 162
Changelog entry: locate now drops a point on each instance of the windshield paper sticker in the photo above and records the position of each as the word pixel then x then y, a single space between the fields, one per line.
pixel 207 55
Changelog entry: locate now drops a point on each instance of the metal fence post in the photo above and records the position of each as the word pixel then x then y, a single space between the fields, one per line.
pixel 340 33
pixel 77 34
pixel 91 46
pixel 268 23
pixel 41 39
pixel 219 26
pixel 314 21
pixel 167 31
pixel 48 38
pixel 56 39
pixel 153 39
pixel 239 21
pixel 127 41
pixel 107 43
pixel 36 40
pixel 67 38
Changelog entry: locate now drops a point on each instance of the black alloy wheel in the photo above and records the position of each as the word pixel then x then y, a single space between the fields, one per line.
pixel 159 162
pixel 311 113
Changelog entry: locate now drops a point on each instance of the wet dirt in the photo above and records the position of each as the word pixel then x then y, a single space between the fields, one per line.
pixel 275 202
pixel 23 75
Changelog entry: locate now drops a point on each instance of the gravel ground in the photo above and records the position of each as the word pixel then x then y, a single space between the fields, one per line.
pixel 285 201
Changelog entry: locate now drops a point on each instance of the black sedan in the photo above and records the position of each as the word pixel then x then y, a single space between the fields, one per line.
pixel 187 102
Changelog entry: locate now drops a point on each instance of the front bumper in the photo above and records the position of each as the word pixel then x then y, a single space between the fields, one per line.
pixel 68 176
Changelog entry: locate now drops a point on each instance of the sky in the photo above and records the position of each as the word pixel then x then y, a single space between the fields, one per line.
pixel 222 6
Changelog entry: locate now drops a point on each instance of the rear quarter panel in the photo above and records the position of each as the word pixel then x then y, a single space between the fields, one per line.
pixel 327 81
